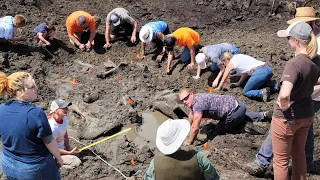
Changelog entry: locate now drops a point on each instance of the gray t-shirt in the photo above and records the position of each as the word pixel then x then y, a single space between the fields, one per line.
pixel 215 51
pixel 123 14
pixel 213 105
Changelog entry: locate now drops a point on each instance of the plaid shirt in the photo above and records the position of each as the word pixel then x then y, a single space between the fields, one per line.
pixel 6 27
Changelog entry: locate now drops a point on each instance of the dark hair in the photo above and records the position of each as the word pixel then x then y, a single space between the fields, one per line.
pixel 81 21
pixel 169 42
pixel 50 21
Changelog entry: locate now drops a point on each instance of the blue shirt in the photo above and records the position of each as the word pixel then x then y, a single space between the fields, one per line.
pixel 157 26
pixel 22 127
pixel 6 27
pixel 205 166
pixel 215 51
pixel 42 28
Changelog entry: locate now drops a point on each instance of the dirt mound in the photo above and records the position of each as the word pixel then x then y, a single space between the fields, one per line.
pixel 114 89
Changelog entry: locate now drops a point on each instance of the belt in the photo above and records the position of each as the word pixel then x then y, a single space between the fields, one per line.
pixel 253 69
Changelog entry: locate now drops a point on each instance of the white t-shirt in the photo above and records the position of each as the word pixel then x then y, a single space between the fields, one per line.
pixel 244 63
pixel 59 130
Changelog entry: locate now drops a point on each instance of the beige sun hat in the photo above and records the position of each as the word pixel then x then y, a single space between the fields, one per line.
pixel 304 14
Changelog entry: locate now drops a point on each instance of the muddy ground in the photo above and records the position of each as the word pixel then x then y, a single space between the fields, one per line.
pixel 100 99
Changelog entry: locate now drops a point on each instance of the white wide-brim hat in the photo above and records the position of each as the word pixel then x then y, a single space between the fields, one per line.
pixel 171 134
pixel 146 34
pixel 201 60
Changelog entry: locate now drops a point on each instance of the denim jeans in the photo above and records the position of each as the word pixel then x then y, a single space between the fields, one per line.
pixel 258 78
pixel 265 154
pixel 185 55
pixel 16 170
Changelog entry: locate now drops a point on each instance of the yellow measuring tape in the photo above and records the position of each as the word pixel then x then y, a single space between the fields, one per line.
pixel 100 141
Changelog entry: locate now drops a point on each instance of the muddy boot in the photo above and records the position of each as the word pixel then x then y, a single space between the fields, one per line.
pixel 268 115
pixel 254 169
pixel 265 94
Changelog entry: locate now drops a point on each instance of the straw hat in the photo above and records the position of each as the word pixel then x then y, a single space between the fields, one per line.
pixel 171 134
pixel 146 34
pixel 304 14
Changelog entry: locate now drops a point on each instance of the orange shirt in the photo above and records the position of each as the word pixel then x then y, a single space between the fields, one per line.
pixel 72 26
pixel 186 37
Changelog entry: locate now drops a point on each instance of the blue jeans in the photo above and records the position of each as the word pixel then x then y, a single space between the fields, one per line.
pixel 265 154
pixel 185 55
pixel 258 78
pixel 16 170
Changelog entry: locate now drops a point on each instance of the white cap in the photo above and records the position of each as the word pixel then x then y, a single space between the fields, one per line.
pixel 171 134
pixel 201 60
pixel 115 19
pixel 59 104
pixel 146 34
pixel 297 29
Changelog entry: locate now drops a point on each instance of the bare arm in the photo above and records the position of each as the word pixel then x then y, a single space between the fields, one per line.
pixel 284 95
pixel 75 40
pixel 192 55
pixel 190 117
pixel 195 127
pixel 221 67
pixel 143 47
pixel 92 35
pixel 40 35
pixel 242 78
pixel 225 74
pixel 107 36
pixel 134 24
pixel 170 57
pixel 160 36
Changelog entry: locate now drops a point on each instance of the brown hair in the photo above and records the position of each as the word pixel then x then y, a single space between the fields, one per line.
pixel 13 84
pixel 50 21
pixel 312 46
pixel 226 56
pixel 19 20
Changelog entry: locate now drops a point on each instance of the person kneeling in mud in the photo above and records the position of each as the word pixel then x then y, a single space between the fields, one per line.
pixel 45 32
pixel 76 23
pixel 153 32
pixel 177 163
pixel 230 112
pixel 8 24
pixel 212 54
pixel 117 20
pixel 260 73
pixel 59 125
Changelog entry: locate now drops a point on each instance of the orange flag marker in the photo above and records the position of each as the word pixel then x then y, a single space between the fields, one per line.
pixel 74 80
pixel 138 56
pixel 131 62
pixel 89 71
pixel 59 74
pixel 210 90
pixel 130 101
pixel 132 162
pixel 118 79
pixel 206 145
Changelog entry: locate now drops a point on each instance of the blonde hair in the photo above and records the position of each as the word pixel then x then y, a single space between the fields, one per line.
pixel 19 20
pixel 226 56
pixel 184 90
pixel 13 84
pixel 312 46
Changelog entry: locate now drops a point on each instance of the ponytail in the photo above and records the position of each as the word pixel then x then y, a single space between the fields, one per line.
pixel 226 56
pixel 13 84
pixel 312 46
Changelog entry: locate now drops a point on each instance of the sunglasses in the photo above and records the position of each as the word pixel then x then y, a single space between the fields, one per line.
pixel 185 98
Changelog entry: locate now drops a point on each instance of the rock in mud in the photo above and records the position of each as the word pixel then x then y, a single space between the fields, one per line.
pixel 90 97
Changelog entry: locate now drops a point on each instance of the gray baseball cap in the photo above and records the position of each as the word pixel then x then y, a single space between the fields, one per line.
pixel 59 104
pixel 298 29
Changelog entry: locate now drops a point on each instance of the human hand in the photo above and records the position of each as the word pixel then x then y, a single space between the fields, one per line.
pixel 48 43
pixel 190 65
pixel 283 106
pixel 133 39
pixel 217 89
pixel 234 85
pixel 215 83
pixel 59 162
pixel 88 45
pixel 195 77
pixel 82 47
pixel 73 151
pixel 107 45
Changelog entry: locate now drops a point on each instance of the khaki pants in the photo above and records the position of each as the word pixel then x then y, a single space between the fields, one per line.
pixel 289 139
pixel 70 161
